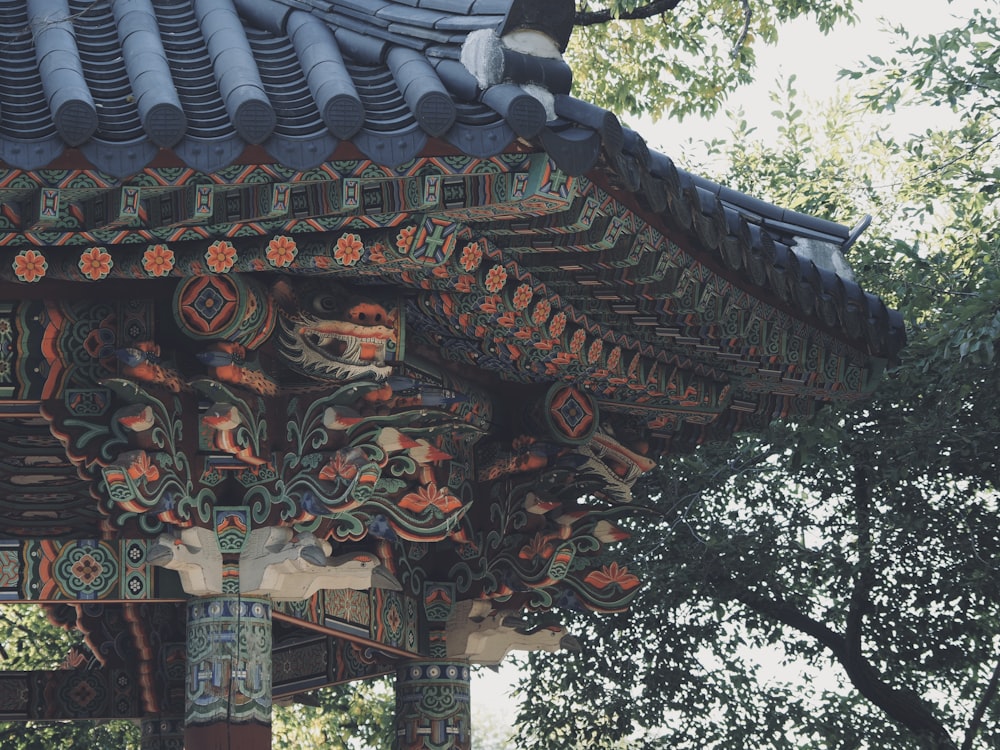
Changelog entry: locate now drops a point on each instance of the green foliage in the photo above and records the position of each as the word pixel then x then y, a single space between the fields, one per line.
pixel 29 641
pixel 491 723
pixel 684 59
pixel 834 583
pixel 343 717
pixel 959 67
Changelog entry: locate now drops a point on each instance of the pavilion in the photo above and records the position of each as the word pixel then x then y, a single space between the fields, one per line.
pixel 335 334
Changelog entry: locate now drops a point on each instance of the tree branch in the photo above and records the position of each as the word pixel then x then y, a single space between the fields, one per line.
pixel 747 17
pixel 32 634
pixel 790 615
pixel 864 577
pixel 902 706
pixel 977 716
pixel 649 10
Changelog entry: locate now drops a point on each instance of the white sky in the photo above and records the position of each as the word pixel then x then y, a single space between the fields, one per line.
pixel 816 60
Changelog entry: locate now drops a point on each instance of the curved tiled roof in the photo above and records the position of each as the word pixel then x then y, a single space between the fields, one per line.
pixel 134 83
pixel 122 79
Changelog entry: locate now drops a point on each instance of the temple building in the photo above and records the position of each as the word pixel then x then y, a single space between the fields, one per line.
pixel 334 335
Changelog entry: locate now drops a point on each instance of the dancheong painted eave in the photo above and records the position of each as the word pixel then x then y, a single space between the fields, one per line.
pixel 134 124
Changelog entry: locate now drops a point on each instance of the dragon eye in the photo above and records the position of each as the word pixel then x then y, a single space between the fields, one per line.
pixel 325 303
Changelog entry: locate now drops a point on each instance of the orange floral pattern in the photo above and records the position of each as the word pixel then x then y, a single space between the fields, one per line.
pixel 540 546
pixel 472 256
pixel 29 265
pixel 576 343
pixel 595 351
pixel 613 574
pixel 341 466
pixel 220 256
pixel 430 496
pixel 541 312
pixel 143 467
pixel 496 278
pixel 281 251
pixel 96 263
pixel 558 324
pixel 348 250
pixel 522 297
pixel 405 237
pixel 614 357
pixel 158 260
pixel 377 253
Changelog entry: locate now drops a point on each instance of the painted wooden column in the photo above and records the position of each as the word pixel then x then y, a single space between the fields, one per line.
pixel 228 686
pixel 432 706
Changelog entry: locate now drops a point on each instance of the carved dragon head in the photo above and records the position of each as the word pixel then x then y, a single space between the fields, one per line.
pixel 330 334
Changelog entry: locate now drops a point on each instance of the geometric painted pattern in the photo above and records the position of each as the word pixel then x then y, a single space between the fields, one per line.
pixel 432 706
pixel 99 693
pixel 572 414
pixel 229 661
pixel 348 606
pixel 10 572
pixel 79 570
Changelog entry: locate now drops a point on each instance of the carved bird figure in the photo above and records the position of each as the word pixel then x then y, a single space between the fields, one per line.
pixel 142 362
pixel 289 568
pixel 136 417
pixel 194 554
pixel 484 635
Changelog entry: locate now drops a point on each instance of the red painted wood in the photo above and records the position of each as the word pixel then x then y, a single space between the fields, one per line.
pixel 223 736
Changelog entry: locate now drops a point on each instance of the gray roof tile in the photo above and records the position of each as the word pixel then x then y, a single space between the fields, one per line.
pixel 462 7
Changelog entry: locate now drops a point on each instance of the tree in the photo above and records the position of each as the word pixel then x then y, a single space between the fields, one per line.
pixel 833 583
pixel 678 57
pixel 343 717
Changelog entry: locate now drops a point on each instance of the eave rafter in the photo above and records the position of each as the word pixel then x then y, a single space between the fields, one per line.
pixel 556 234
